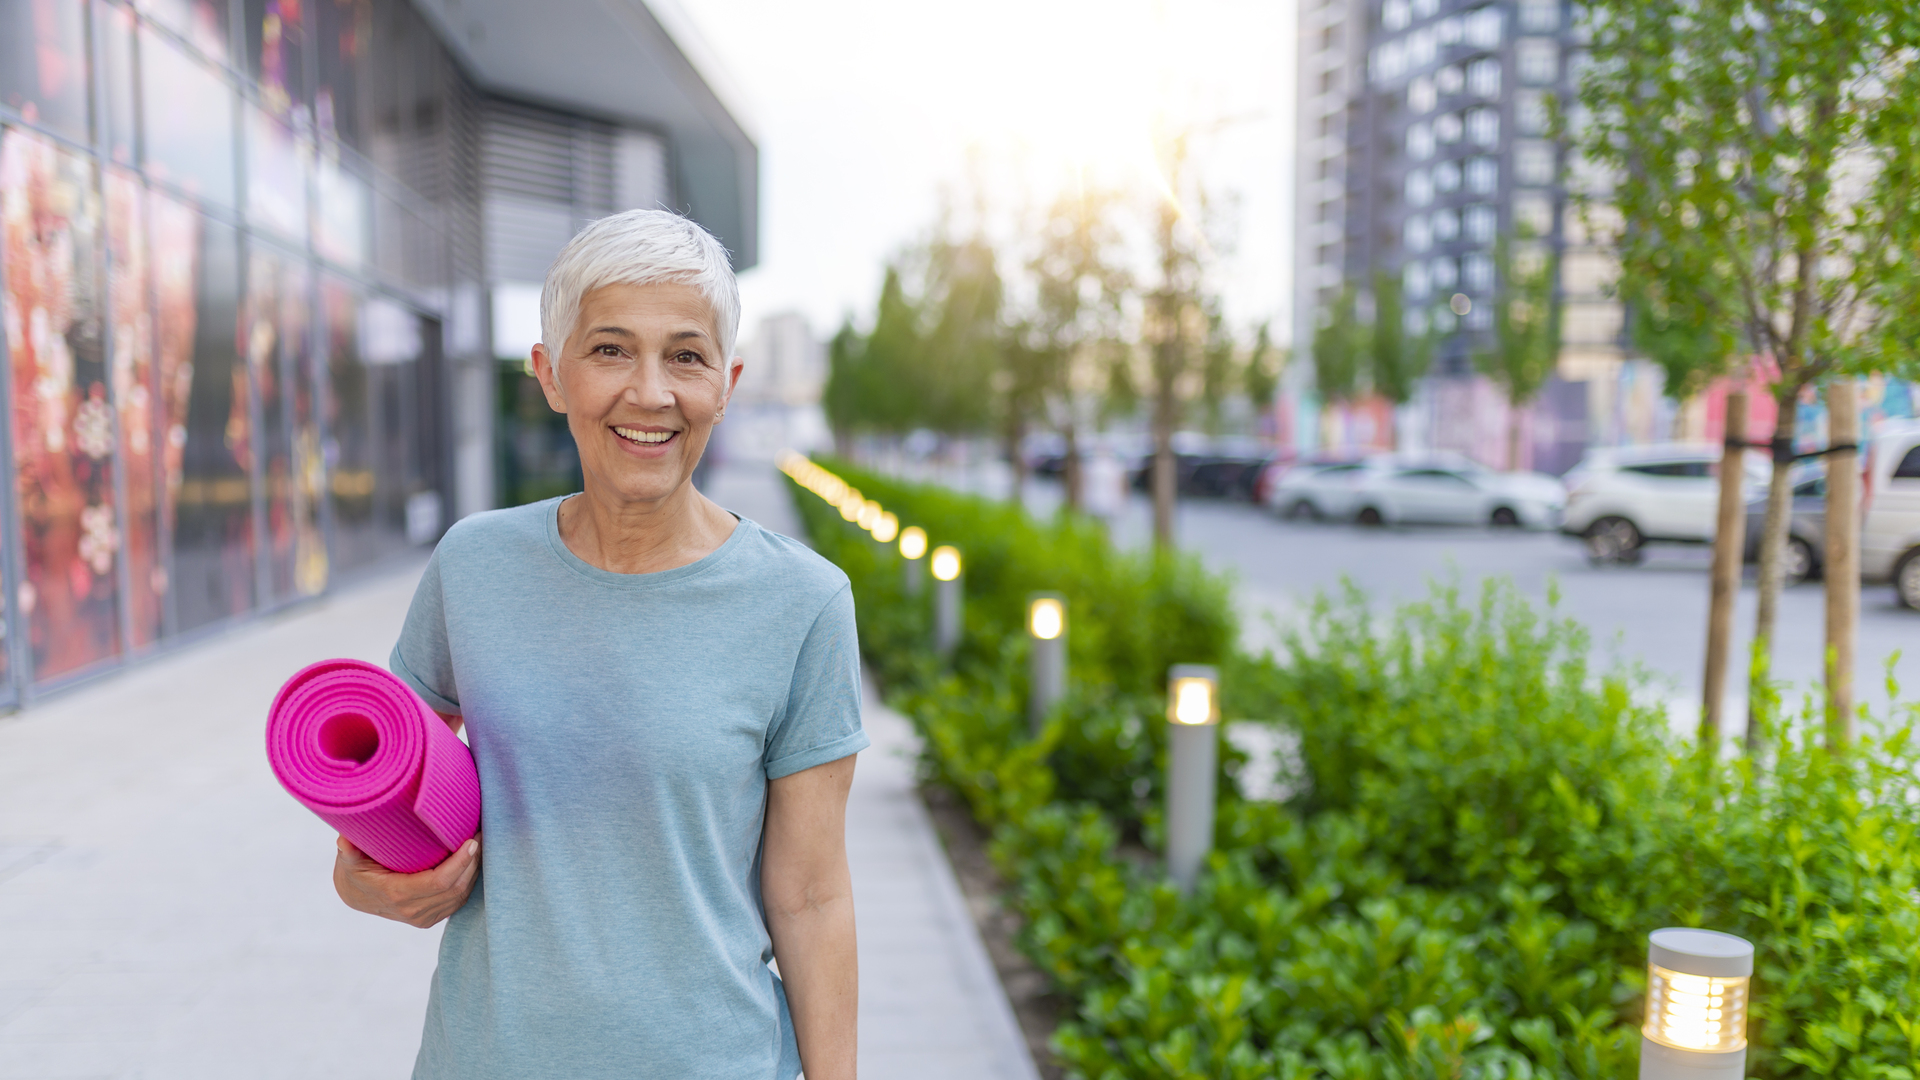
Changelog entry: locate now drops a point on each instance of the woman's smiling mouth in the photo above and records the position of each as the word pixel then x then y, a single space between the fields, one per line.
pixel 644 438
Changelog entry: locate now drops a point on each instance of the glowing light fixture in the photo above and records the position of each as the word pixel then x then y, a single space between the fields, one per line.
pixel 1046 656
pixel 886 528
pixel 1193 756
pixel 869 515
pixel 946 563
pixel 1190 700
pixel 1046 617
pixel 851 504
pixel 913 542
pixel 1696 1024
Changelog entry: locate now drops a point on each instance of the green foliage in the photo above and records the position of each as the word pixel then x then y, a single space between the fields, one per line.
pixel 1483 831
pixel 1396 363
pixel 1262 376
pixel 1526 324
pixel 1764 158
pixel 1339 346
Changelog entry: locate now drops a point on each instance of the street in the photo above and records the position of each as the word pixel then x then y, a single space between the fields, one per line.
pixel 1653 615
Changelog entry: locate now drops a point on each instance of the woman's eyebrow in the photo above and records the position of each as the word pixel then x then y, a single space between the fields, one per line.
pixel 617 331
pixel 685 334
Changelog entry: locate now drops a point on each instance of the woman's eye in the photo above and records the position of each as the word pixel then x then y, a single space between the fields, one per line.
pixel 690 358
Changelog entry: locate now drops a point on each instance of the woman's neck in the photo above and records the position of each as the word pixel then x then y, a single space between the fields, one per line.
pixel 643 537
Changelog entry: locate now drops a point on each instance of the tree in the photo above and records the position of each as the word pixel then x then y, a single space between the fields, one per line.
pixel 1080 284
pixel 1339 343
pixel 1526 334
pixel 1217 370
pixel 963 346
pixel 1397 360
pixel 1765 157
pixel 1174 327
pixel 1261 377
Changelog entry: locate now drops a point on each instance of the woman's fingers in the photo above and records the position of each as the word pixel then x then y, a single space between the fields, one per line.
pixel 420 899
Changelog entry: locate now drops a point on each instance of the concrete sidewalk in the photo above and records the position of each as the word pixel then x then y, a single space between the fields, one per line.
pixel 167 911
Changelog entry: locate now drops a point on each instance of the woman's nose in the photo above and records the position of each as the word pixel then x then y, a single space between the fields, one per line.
pixel 648 388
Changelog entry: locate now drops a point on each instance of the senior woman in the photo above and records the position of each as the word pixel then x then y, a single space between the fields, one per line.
pixel 663 700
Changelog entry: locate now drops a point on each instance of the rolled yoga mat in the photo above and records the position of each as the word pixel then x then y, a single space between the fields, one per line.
pixel 358 747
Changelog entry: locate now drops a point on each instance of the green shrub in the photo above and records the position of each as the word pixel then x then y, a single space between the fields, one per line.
pixel 1462 884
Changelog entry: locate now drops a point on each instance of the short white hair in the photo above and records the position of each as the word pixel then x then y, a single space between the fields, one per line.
pixel 639 247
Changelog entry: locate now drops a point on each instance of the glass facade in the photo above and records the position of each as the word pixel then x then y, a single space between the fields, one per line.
pixel 226 240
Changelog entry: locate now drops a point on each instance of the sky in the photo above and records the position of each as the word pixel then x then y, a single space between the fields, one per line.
pixel 872 114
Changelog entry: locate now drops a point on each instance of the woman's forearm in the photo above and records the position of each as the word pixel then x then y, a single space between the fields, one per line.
pixel 813 942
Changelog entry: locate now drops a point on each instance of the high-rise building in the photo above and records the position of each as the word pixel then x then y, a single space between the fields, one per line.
pixel 260 260
pixel 1424 141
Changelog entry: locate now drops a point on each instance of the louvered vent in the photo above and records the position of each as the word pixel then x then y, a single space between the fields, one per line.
pixel 546 174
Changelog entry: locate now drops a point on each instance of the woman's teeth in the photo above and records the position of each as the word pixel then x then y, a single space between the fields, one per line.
pixel 647 437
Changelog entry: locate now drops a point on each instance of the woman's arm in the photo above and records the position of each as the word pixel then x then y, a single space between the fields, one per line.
pixel 420 899
pixel 809 898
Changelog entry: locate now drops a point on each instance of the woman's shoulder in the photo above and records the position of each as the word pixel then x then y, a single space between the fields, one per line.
pixel 772 554
pixel 492 533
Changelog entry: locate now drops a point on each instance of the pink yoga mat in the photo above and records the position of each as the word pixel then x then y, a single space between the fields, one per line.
pixel 358 747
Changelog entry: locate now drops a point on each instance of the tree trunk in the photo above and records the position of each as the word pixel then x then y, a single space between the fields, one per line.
pixel 1070 469
pixel 1773 544
pixel 1513 437
pixel 1842 562
pixel 1729 550
pixel 1164 478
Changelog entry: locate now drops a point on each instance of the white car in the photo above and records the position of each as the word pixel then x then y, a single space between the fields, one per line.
pixel 1450 490
pixel 1316 490
pixel 1620 499
pixel 1890 533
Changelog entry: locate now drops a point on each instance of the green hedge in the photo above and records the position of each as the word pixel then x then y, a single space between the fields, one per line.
pixel 1483 830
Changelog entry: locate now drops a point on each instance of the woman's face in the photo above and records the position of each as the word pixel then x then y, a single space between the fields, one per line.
pixel 642 382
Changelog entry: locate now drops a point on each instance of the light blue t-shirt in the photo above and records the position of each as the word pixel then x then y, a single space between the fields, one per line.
pixel 625 726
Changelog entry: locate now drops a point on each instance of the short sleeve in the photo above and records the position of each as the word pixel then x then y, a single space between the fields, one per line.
pixel 821 721
pixel 422 658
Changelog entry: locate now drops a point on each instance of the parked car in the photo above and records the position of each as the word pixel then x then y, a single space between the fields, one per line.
pixel 1315 489
pixel 1619 499
pixel 1890 533
pixel 1220 467
pixel 1449 491
pixel 1806 528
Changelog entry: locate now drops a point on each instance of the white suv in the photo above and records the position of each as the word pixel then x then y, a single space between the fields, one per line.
pixel 1621 498
pixel 1890 535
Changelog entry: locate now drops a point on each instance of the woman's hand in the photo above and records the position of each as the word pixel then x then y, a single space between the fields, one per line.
pixel 421 899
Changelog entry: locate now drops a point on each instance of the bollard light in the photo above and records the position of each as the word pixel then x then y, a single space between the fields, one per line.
pixel 1047 657
pixel 851 503
pixel 886 528
pixel 1193 757
pixel 947 616
pixel 946 563
pixel 1696 1026
pixel 913 548
pixel 869 515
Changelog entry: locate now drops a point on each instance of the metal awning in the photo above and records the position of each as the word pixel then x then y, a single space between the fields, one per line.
pixel 614 59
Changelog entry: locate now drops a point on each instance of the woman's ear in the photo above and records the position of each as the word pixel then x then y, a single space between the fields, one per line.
pixel 543 369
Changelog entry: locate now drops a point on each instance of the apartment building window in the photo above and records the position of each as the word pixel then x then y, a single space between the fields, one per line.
pixel 1540 15
pixel 1483 175
pixel 1449 80
pixel 1425 9
pixel 1395 15
pixel 1419 188
pixel 1446 177
pixel 1330 37
pixel 1328 255
pixel 1415 281
pixel 1476 272
pixel 1533 163
pixel 1537 60
pixel 1330 126
pixel 1326 211
pixel 1533 213
pixel 1420 141
pixel 1325 170
pixel 1446 128
pixel 1483 126
pixel 1446 226
pixel 1445 272
pixel 1483 28
pixel 1421 97
pixel 1483 78
pixel 1530 112
pixel 1479 223
pixel 1417 234
pixel 1329 79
